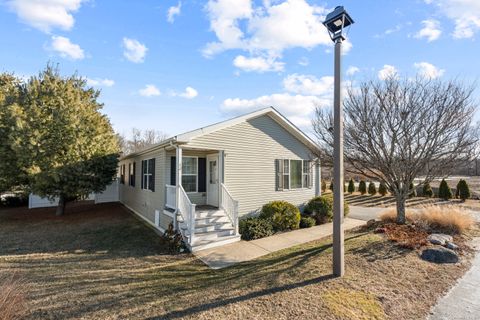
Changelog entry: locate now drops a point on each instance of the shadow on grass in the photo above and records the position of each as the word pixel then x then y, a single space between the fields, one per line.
pixel 375 251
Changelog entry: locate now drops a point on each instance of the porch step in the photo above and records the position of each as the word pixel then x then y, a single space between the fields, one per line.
pixel 207 244
pixel 209 213
pixel 210 235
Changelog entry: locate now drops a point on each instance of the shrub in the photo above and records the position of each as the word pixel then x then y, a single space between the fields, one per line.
pixel 331 186
pixel 344 188
pixel 413 190
pixel 427 190
pixel 173 240
pixel 307 222
pixel 324 186
pixel 351 186
pixel 12 298
pixel 15 201
pixel 372 190
pixel 444 191
pixel 321 209
pixel 362 187
pixel 463 191
pixel 282 214
pixel 255 228
pixel 382 189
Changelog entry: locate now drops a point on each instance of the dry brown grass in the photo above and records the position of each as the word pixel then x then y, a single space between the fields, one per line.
pixel 447 219
pixel 12 298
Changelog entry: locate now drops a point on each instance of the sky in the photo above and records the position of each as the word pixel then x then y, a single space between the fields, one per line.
pixel 175 66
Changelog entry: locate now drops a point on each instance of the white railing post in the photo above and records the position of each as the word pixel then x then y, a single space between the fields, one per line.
pixel 235 215
pixel 192 223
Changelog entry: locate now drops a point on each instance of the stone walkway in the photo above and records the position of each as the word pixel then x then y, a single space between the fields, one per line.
pixel 230 254
pixel 463 300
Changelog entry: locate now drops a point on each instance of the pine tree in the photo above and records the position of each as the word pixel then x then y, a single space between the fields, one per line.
pixel 444 191
pixel 427 190
pixel 362 187
pixel 351 186
pixel 324 186
pixel 463 190
pixel 382 189
pixel 372 190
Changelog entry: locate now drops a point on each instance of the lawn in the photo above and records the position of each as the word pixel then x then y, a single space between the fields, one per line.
pixel 100 262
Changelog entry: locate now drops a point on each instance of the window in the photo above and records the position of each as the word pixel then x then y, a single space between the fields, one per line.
pixel 131 174
pixel 148 174
pixel 293 174
pixel 189 174
pixel 122 174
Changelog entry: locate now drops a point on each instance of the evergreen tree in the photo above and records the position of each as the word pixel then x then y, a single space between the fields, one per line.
pixel 351 186
pixel 463 190
pixel 372 190
pixel 362 187
pixel 324 186
pixel 61 139
pixel 427 190
pixel 444 191
pixel 413 190
pixel 331 186
pixel 382 189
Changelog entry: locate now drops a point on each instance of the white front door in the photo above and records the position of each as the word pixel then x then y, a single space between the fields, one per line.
pixel 212 180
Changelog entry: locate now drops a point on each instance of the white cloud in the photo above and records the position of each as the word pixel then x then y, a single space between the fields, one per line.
pixel 189 93
pixel 258 64
pixel 97 82
pixel 66 49
pixel 46 14
pixel 150 90
pixel 431 30
pixel 464 13
pixel 173 11
pixel 428 70
pixel 308 84
pixel 387 71
pixel 134 50
pixel 266 30
pixel 352 70
pixel 303 61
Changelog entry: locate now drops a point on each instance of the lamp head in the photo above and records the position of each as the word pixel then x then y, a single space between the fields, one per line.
pixel 336 21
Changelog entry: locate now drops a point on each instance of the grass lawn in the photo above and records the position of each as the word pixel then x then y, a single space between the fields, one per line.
pixel 100 262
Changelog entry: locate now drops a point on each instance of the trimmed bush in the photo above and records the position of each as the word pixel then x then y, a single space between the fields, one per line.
pixel 282 214
pixel 463 191
pixel 324 186
pixel 382 189
pixel 321 209
pixel 444 191
pixel 372 190
pixel 427 190
pixel 362 187
pixel 351 186
pixel 255 228
pixel 412 190
pixel 307 222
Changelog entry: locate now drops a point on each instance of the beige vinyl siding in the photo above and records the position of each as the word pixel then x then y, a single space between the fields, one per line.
pixel 251 148
pixel 145 202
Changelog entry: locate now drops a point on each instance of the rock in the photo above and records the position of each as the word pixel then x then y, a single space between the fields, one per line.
pixel 451 245
pixel 380 230
pixel 439 238
pixel 371 223
pixel 439 255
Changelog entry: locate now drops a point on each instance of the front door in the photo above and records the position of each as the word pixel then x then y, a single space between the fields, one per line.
pixel 212 180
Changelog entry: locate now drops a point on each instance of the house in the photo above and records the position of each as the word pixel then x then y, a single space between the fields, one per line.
pixel 204 180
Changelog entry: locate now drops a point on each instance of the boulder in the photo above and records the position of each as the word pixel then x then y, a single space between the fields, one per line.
pixel 439 255
pixel 439 238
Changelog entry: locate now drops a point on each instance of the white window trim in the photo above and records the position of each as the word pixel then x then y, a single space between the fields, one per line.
pixel 191 174
pixel 303 187
pixel 146 184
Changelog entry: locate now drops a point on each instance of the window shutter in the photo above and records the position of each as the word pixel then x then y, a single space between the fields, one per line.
pixel 202 174
pixel 279 174
pixel 310 174
pixel 151 168
pixel 129 174
pixel 141 173
pixel 173 171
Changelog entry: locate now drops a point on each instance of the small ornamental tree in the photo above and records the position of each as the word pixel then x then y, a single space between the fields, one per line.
pixel 413 190
pixel 324 186
pixel 444 191
pixel 362 187
pixel 382 189
pixel 372 190
pixel 463 191
pixel 427 190
pixel 351 186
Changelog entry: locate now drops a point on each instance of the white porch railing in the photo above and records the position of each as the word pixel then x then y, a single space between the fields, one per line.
pixel 230 206
pixel 187 210
pixel 171 196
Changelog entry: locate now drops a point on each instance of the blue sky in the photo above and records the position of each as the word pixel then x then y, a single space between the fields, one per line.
pixel 178 65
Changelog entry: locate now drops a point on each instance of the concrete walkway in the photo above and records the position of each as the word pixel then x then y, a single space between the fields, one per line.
pixel 365 213
pixel 230 254
pixel 463 300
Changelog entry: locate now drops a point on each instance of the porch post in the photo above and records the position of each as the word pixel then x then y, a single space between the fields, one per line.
pixel 318 179
pixel 221 162
pixel 178 182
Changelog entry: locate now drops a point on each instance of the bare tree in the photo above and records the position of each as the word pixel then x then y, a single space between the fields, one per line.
pixel 394 128
pixel 140 140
